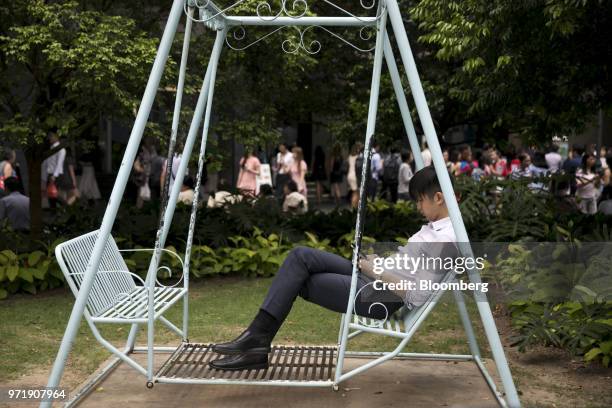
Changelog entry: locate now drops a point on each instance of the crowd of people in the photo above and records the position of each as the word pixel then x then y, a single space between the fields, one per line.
pixel 581 179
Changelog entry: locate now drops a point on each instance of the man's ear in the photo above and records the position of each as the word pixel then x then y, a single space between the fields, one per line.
pixel 439 198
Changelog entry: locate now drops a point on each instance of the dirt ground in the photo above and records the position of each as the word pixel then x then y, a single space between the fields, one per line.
pixel 545 377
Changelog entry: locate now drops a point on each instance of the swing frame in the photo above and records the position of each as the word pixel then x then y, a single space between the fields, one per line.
pixel 218 20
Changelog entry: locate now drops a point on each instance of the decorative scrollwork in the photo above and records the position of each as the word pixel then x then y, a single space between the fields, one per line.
pixel 294 45
pixel 378 323
pixel 298 6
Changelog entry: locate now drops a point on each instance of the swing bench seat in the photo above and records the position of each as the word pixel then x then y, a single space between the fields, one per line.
pixel 115 296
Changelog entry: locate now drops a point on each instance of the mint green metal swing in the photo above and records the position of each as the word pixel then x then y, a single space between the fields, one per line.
pixel 107 292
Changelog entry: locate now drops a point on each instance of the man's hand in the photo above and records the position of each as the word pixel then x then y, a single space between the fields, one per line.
pixel 366 265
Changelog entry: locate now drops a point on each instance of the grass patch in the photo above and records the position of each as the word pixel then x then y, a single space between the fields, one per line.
pixel 220 308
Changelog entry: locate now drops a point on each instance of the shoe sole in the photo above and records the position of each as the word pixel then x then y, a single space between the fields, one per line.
pixel 240 368
pixel 257 350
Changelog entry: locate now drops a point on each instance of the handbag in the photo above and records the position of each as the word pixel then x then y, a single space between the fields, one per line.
pixel 144 191
pixel 52 190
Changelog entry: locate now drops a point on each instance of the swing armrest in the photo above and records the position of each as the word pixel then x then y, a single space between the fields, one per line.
pixel 177 256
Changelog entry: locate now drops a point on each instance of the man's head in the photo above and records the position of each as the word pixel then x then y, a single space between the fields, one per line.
pixel 525 159
pixel 465 152
pixel 290 187
pixel 188 183
pixel 9 155
pixel 282 147
pixel 425 189
pixel 52 137
pixel 577 150
pixel 11 184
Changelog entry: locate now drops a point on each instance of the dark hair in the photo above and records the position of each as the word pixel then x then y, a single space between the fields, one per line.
pixel 292 186
pixel 553 148
pixel 578 149
pixel 425 183
pixel 609 160
pixel 265 190
pixel 522 156
pixel 12 184
pixel 486 160
pixel 188 181
pixel 8 154
pixel 248 151
pixel 585 158
pixel 405 155
pixel 464 147
pixel 453 155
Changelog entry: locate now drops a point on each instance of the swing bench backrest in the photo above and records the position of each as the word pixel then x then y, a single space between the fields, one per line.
pixel 113 279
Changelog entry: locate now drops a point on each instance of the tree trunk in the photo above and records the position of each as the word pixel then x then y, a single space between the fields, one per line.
pixel 34 159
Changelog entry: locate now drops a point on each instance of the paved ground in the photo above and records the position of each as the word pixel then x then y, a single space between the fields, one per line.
pixel 399 383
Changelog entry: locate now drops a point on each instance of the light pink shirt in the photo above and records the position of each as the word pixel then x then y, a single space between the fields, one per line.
pixel 247 178
pixel 298 174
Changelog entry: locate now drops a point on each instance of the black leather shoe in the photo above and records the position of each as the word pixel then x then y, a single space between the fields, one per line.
pixel 248 342
pixel 252 361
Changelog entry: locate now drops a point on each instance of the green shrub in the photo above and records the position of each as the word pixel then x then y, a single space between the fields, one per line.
pixel 28 272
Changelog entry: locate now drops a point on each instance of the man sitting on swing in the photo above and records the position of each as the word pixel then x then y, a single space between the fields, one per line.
pixel 325 279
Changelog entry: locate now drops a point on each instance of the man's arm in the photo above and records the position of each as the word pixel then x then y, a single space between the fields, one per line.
pixel 59 165
pixel 366 265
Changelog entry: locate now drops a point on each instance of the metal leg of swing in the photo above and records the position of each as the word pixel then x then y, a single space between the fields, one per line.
pixel 467 323
pixel 178 181
pixel 451 201
pixel 196 194
pixel 396 80
pixel 373 107
pixel 115 198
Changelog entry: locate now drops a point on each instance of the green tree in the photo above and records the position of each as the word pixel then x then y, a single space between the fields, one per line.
pixel 62 68
pixel 532 67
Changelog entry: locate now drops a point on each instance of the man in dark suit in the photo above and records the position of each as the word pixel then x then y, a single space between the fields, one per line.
pixel 15 206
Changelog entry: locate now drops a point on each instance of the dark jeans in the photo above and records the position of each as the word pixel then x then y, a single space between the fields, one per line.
pixel 281 180
pixel 324 279
pixel 391 187
pixel 371 189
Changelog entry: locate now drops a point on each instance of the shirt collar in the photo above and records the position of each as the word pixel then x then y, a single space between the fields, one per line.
pixel 440 224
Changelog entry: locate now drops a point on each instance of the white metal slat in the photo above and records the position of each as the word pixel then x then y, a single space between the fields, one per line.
pixel 107 286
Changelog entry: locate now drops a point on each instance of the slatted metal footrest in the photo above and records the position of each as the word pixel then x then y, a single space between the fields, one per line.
pixel 310 365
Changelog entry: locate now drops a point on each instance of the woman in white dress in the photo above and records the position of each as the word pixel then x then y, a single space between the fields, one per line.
pixel 87 184
pixel 351 176
pixel 587 183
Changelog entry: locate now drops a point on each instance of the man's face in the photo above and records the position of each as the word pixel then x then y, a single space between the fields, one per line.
pixel 430 206
pixel 526 162
pixel 282 148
